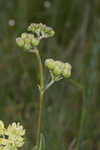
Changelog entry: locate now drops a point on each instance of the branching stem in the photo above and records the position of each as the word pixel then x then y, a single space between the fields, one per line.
pixel 41 94
pixel 49 84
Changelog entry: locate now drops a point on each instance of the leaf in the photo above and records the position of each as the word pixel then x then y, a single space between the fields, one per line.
pixel 42 142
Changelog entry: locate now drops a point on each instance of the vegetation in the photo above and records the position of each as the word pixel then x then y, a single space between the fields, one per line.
pixel 76 24
pixel 58 70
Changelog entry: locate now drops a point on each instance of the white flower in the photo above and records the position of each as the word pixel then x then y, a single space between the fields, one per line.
pixel 12 137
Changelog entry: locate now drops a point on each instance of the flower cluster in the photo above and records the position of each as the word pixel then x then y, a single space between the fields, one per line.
pixel 31 40
pixel 58 68
pixel 41 30
pixel 11 138
pixel 27 40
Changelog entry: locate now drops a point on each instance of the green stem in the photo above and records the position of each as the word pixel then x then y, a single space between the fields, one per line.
pixel 49 84
pixel 41 94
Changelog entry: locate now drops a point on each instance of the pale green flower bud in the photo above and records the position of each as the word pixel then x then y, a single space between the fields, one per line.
pixel 49 31
pixel 58 67
pixel 67 70
pixel 52 33
pixel 31 36
pixel 27 37
pixel 49 63
pixel 27 46
pixel 20 42
pixel 57 63
pixel 35 42
pixel 57 71
pixel 66 73
pixel 32 27
pixel 27 40
pixel 68 66
pixel 24 36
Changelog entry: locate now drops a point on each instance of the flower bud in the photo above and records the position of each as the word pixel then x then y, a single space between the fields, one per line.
pixel 66 73
pixel 52 33
pixel 58 67
pixel 20 42
pixel 68 66
pixel 27 46
pixel 57 71
pixel 27 40
pixel 31 36
pixel 67 70
pixel 32 27
pixel 24 36
pixel 49 63
pixel 35 42
pixel 58 63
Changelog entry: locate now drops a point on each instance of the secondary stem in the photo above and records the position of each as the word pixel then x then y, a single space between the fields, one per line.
pixel 50 84
pixel 41 94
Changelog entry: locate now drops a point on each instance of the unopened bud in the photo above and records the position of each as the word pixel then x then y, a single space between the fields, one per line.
pixel 20 42
pixel 24 36
pixel 49 63
pixel 58 63
pixel 68 66
pixel 35 42
pixel 67 70
pixel 52 33
pixel 27 46
pixel 57 71
pixel 31 36
pixel 66 73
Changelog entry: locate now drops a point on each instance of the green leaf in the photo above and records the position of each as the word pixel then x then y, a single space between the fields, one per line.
pixel 42 142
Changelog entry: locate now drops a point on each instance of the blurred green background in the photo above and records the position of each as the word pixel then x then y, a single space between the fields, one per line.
pixel 77 40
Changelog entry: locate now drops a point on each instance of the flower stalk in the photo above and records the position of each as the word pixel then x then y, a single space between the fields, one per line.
pixel 41 89
pixel 58 70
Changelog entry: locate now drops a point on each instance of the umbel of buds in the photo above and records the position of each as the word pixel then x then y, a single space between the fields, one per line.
pixel 31 40
pixel 11 138
pixel 58 68
pixel 27 41
pixel 41 30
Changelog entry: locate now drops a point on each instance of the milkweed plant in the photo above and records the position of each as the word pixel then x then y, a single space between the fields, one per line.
pixel 11 138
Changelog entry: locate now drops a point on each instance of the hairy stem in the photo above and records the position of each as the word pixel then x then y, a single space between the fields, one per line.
pixel 41 95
